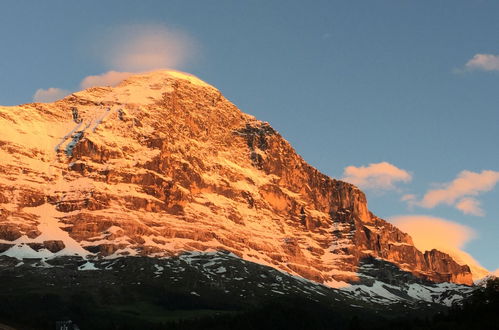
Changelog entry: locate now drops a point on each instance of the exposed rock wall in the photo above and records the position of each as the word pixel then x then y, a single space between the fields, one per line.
pixel 164 163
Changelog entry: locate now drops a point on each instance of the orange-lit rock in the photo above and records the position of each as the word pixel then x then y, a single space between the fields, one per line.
pixel 163 163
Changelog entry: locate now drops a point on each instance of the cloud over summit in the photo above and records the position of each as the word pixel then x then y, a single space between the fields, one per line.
pixel 145 47
pixel 50 94
pixel 130 49
pixel 110 78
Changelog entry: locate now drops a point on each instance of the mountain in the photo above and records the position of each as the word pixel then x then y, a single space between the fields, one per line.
pixel 163 165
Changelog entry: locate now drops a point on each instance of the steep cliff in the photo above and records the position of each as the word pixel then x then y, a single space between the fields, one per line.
pixel 162 164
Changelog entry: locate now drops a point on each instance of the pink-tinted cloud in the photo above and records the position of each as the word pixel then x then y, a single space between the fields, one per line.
pixel 471 206
pixel 49 95
pixel 436 233
pixel 139 48
pixel 380 176
pixel 110 78
pixel 458 191
pixel 484 62
pixel 408 198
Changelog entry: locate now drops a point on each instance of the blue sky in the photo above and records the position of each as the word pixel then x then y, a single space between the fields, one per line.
pixel 348 83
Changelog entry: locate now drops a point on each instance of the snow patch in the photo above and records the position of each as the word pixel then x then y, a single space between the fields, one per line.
pixel 50 229
pixel 88 266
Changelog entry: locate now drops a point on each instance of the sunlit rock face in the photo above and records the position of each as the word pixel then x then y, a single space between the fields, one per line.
pixel 164 163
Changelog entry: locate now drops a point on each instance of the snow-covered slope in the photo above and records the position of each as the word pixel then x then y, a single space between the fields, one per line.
pixel 164 164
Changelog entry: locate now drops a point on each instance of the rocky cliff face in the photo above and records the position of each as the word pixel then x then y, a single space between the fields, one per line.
pixel 162 164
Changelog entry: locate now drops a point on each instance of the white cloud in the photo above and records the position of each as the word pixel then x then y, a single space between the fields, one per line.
pixel 457 193
pixel 49 95
pixel 379 176
pixel 139 48
pixel 484 62
pixel 110 78
pixel 447 236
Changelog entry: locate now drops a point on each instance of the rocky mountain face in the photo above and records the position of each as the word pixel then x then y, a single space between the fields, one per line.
pixel 163 164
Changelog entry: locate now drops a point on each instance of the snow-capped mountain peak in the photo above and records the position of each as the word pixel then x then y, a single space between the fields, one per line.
pixel 163 163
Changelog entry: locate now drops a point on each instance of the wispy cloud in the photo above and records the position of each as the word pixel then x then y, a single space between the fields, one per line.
pixel 408 198
pixel 457 193
pixel 378 176
pixel 50 94
pixel 483 62
pixel 130 49
pixel 110 78
pixel 436 233
pixel 145 47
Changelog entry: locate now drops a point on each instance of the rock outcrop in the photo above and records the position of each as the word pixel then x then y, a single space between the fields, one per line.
pixel 163 163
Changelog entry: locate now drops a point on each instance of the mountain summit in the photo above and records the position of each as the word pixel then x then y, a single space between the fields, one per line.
pixel 164 164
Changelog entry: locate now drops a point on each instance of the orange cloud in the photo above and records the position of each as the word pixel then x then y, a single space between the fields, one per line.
pixel 458 191
pixel 49 95
pixel 110 78
pixel 484 62
pixel 139 48
pixel 382 176
pixel 436 233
